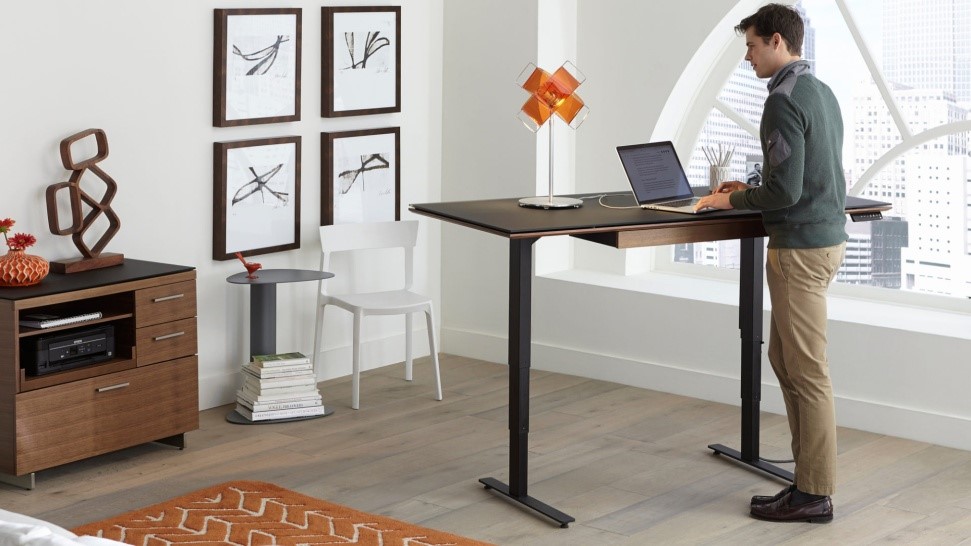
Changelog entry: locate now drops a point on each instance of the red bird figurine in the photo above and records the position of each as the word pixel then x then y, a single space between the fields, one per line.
pixel 251 267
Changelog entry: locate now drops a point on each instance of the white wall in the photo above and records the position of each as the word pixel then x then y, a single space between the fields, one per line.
pixel 889 380
pixel 143 73
pixel 487 153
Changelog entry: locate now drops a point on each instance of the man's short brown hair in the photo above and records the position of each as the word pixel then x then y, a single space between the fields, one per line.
pixel 772 18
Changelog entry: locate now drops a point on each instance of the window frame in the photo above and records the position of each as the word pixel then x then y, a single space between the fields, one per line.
pixel 684 116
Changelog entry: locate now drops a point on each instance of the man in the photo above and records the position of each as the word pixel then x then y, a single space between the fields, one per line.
pixel 802 200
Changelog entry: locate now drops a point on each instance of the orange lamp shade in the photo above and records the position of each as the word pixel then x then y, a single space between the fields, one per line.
pixel 552 93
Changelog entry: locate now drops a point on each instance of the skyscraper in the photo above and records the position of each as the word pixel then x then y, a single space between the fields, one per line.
pixel 927 64
pixel 927 45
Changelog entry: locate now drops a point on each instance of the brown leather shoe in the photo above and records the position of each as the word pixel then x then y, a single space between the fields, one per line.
pixel 820 511
pixel 766 499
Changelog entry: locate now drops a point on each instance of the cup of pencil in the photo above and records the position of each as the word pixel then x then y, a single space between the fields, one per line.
pixel 719 165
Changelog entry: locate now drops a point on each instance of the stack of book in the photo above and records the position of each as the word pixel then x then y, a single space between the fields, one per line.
pixel 279 386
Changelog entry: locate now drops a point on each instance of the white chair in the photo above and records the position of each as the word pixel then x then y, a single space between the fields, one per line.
pixel 375 235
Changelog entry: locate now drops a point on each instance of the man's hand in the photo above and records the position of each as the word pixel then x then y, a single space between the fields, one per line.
pixel 719 198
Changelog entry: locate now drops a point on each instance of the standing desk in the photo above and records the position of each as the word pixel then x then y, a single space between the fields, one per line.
pixel 620 228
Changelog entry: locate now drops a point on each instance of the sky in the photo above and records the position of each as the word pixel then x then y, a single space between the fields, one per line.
pixel 839 62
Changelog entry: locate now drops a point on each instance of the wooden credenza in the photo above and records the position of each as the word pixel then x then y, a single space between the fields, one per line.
pixel 147 391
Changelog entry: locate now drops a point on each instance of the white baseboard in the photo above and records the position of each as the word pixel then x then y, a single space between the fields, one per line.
pixel 912 423
pixel 218 390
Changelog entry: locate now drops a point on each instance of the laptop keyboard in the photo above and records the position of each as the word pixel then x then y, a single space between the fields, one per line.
pixel 679 202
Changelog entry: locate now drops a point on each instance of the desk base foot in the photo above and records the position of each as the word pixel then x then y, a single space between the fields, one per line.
pixel 235 418
pixel 529 502
pixel 757 463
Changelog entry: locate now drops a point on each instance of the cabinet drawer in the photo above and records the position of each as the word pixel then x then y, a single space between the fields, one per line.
pixel 68 422
pixel 163 342
pixel 165 303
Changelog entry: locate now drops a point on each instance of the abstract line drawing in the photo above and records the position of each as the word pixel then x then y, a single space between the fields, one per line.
pixel 372 44
pixel 256 196
pixel 368 163
pixel 361 61
pixel 264 57
pixel 260 183
pixel 256 66
pixel 361 179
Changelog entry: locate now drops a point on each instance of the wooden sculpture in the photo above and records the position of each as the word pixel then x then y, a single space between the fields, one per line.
pixel 91 257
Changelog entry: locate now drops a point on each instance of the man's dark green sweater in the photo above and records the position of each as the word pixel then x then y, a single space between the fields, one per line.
pixel 803 190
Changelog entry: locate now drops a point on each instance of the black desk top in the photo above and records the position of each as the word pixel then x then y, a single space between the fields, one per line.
pixel 129 270
pixel 505 217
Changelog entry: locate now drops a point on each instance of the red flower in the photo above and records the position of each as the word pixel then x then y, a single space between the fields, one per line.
pixel 21 241
pixel 6 224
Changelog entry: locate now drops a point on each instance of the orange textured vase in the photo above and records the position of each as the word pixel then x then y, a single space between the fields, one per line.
pixel 20 269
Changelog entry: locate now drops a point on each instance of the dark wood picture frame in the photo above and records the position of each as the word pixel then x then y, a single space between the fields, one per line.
pixel 336 151
pixel 259 196
pixel 368 89
pixel 230 64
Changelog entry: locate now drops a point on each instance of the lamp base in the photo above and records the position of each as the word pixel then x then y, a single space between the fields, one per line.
pixel 550 202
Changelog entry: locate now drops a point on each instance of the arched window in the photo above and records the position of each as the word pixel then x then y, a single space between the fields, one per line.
pixel 901 70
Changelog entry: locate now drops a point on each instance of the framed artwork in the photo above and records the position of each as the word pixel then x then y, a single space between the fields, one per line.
pixel 361 176
pixel 753 170
pixel 361 60
pixel 256 66
pixel 256 197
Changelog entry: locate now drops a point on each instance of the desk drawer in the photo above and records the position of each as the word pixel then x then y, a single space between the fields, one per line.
pixel 166 341
pixel 165 303
pixel 64 423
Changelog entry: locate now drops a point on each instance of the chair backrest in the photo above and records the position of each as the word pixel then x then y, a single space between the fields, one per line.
pixel 369 236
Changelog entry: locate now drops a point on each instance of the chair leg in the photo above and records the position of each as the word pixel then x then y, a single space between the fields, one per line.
pixel 356 363
pixel 318 330
pixel 433 349
pixel 409 362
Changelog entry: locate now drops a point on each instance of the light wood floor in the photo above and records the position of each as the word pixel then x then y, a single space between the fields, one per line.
pixel 631 465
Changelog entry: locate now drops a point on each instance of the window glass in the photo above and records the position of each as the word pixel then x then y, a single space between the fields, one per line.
pixel 923 51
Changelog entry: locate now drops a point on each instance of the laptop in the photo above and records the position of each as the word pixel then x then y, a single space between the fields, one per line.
pixel 657 178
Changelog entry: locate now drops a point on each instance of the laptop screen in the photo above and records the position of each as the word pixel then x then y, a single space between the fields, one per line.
pixel 654 172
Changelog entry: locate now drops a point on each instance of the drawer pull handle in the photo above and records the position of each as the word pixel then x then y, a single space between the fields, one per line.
pixel 169 336
pixel 167 298
pixel 113 387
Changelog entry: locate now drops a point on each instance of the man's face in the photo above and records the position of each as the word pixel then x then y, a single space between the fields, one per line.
pixel 766 58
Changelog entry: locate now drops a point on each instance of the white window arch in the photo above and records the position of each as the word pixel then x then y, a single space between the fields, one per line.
pixel 906 142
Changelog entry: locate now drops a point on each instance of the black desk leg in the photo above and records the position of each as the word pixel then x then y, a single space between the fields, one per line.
pixel 750 324
pixel 520 316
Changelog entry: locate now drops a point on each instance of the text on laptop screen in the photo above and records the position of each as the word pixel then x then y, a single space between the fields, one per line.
pixel 654 172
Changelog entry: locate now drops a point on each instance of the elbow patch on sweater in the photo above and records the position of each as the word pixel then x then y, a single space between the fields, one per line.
pixel 779 149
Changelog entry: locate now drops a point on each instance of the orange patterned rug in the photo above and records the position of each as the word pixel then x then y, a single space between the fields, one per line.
pixel 257 514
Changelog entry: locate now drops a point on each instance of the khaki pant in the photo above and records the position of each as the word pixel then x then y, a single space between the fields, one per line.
pixel 798 280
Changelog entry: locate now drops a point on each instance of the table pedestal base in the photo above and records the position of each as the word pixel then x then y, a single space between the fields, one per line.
pixel 756 463
pixel 235 418
pixel 529 502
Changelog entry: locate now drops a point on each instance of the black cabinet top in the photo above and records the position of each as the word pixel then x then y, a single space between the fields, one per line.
pixel 130 270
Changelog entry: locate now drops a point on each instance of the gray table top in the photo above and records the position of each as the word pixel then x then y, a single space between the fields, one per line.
pixel 277 276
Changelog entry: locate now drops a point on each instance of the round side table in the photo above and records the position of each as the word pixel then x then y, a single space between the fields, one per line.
pixel 262 319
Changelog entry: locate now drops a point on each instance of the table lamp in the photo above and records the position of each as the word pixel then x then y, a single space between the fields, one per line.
pixel 551 94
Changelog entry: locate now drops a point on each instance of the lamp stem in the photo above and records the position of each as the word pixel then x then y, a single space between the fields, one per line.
pixel 552 120
pixel 550 202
